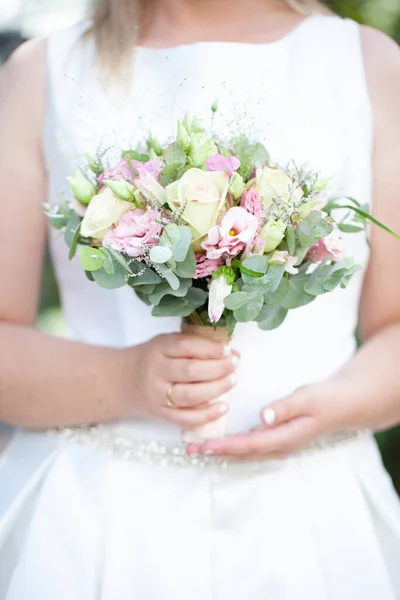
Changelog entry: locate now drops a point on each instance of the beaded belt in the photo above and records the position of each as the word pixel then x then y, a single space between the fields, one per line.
pixel 152 452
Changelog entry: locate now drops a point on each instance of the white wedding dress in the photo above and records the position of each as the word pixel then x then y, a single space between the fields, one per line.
pixel 117 513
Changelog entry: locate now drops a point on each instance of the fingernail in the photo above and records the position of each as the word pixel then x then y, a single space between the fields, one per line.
pixel 223 408
pixel 227 351
pixel 208 452
pixel 235 361
pixel 269 416
pixel 233 379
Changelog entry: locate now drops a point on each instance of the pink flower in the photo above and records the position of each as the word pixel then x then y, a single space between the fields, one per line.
pixel 218 162
pixel 205 266
pixel 238 228
pixel 219 290
pixel 284 258
pixel 254 248
pixel 122 170
pixel 154 167
pixel 328 248
pixel 136 230
pixel 79 208
pixel 251 202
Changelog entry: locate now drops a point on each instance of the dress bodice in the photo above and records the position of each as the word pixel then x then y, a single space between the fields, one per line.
pixel 304 96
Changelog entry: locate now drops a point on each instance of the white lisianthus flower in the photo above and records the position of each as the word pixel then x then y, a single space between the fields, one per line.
pixel 284 258
pixel 203 194
pixel 219 290
pixel 104 211
pixel 274 183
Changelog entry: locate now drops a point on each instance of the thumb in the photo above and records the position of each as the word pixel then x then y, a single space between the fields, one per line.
pixel 296 405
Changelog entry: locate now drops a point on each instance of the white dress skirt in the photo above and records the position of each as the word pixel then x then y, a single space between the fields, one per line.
pixel 118 512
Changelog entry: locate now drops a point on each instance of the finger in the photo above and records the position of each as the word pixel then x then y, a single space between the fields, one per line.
pixel 189 418
pixel 191 346
pixel 189 395
pixel 297 405
pixel 285 439
pixel 186 370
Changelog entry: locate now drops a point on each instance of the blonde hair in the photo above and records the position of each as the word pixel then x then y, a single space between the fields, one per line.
pixel 115 26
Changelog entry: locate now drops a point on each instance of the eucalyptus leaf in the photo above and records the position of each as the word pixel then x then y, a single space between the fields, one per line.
pixel 108 264
pixel 273 317
pixel 290 239
pixel 117 280
pixel 118 257
pixel 175 154
pixel 230 323
pixel 296 295
pixel 170 306
pixel 236 300
pixel 258 264
pixel 274 275
pixel 315 283
pixel 146 278
pixel 169 276
pixel 171 235
pixel 72 225
pixel 348 228
pixel 312 229
pixel 164 289
pixel 74 242
pixel 257 286
pixel 160 254
pixel 181 248
pixel 146 289
pixel 58 221
pixel 249 311
pixel 187 268
pixel 276 297
pixel 90 258
pixel 171 169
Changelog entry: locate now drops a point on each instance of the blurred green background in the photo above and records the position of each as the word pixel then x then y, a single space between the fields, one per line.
pixel 38 17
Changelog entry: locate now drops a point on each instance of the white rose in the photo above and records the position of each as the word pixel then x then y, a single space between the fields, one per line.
pixel 203 193
pixel 274 183
pixel 103 212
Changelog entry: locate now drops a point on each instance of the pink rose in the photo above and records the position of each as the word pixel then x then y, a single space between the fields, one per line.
pixel 136 230
pixel 238 228
pixel 218 162
pixel 154 167
pixel 251 202
pixel 328 248
pixel 205 266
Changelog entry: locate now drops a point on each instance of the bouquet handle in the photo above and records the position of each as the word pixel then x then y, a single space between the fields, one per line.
pixel 215 429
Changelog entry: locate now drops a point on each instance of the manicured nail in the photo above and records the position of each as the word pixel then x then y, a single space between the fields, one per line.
pixel 227 351
pixel 235 360
pixel 269 416
pixel 233 379
pixel 208 452
pixel 223 408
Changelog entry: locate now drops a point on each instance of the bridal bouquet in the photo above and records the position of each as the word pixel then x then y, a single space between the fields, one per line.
pixel 212 232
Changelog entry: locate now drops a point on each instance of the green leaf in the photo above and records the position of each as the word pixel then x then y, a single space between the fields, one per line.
pixel 290 239
pixel 171 235
pixel 91 259
pixel 347 228
pixel 145 289
pixel 297 296
pixel 116 280
pixel 57 220
pixel 171 169
pixel 133 155
pixel 74 242
pixel 340 275
pixel 164 289
pixel 236 300
pixel 312 229
pixel 257 286
pixel 257 264
pixel 180 250
pixel 187 268
pixel 175 154
pixel 316 281
pixel 273 316
pixel 249 311
pixel 73 223
pixel 146 278
pixel 160 254
pixel 230 323
pixel 119 258
pixel 108 262
pixel 367 217
pixel 276 297
pixel 170 306
pixel 274 275
pixel 169 276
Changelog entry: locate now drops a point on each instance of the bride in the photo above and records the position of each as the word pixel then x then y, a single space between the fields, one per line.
pixel 99 498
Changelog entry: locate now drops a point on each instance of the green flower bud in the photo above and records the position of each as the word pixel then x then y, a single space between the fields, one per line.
pixel 201 148
pixel 183 137
pixel 82 189
pixel 121 189
pixel 273 233
pixel 236 186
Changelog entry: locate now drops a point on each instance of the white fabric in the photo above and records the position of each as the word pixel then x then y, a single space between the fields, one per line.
pixel 326 526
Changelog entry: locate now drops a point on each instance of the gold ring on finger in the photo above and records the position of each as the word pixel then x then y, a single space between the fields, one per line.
pixel 170 402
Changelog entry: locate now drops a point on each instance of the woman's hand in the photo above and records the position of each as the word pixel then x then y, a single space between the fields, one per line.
pixel 293 423
pixel 199 371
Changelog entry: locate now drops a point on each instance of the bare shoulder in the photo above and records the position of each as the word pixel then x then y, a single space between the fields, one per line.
pixel 382 64
pixel 23 77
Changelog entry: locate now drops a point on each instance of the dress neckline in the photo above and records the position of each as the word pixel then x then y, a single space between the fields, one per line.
pixel 292 33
